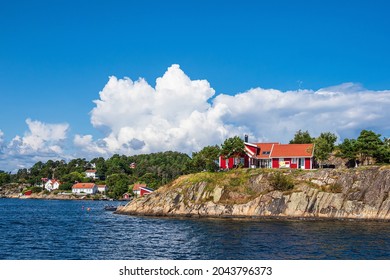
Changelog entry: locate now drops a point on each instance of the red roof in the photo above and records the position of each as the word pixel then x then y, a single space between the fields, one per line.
pixel 91 171
pixel 265 149
pixel 292 150
pixel 83 186
pixel 138 186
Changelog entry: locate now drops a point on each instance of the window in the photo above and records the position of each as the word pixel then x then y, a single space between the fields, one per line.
pixel 294 160
pixel 266 152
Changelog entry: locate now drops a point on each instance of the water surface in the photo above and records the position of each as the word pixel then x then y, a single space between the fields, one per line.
pixel 56 229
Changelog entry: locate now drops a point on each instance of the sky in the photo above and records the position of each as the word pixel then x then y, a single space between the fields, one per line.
pixel 94 78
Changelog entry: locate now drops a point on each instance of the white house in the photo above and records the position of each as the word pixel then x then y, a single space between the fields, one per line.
pixel 102 188
pixel 52 184
pixel 91 173
pixel 87 188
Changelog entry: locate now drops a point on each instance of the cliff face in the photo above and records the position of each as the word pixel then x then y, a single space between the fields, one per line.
pixel 357 193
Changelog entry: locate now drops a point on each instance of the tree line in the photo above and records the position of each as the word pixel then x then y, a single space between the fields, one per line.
pixel 117 172
pixel 367 148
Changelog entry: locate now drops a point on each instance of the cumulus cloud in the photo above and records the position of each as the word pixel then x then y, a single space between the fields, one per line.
pixel 185 115
pixel 175 115
pixel 276 115
pixel 41 142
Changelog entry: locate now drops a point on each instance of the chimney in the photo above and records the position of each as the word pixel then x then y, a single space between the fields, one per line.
pixel 246 138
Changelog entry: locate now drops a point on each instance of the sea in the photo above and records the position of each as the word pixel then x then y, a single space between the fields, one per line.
pixel 82 230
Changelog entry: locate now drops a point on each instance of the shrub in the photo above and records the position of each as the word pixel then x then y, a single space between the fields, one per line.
pixel 281 182
pixel 36 189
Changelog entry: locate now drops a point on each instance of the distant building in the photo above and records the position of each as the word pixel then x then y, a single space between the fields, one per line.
pixel 126 196
pixel 133 165
pixel 52 184
pixel 87 188
pixel 145 191
pixel 102 188
pixel 91 173
pixel 137 188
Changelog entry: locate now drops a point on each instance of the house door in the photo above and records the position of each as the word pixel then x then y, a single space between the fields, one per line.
pixel 302 163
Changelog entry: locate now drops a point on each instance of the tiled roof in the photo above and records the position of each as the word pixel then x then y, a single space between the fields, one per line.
pixel 292 150
pixel 83 186
pixel 265 149
pixel 91 171
pixel 138 186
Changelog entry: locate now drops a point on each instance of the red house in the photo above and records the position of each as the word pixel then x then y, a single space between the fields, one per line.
pixel 272 155
pixel 145 190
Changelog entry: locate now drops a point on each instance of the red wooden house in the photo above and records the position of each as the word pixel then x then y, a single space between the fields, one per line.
pixel 145 190
pixel 272 155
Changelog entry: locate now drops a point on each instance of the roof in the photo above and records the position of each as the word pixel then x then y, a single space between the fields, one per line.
pixel 83 186
pixel 101 186
pixel 138 186
pixel 292 150
pixel 53 181
pixel 91 171
pixel 265 149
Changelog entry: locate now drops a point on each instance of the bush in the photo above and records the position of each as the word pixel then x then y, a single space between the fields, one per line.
pixel 281 182
pixel 36 189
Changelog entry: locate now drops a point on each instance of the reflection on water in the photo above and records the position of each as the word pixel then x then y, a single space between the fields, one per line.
pixel 41 229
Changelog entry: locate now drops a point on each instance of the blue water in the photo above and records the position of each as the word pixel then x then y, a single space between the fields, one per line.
pixel 55 229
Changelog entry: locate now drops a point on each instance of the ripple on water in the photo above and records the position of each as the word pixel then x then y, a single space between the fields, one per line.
pixel 43 229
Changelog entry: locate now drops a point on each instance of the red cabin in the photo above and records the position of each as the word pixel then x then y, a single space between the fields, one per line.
pixel 272 155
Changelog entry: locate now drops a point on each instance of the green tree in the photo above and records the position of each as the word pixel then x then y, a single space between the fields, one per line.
pixel 302 137
pixel 72 177
pixel 5 178
pixel 233 147
pixel 324 146
pixel 383 154
pixel 65 186
pixel 348 150
pixel 118 184
pixel 205 159
pixel 368 145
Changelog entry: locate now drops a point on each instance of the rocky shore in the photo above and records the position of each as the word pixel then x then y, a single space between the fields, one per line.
pixel 361 193
pixel 15 191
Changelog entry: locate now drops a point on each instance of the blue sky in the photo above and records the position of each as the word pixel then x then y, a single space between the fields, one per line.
pixel 56 56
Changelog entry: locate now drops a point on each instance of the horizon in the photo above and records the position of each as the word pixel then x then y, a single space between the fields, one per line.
pixel 81 81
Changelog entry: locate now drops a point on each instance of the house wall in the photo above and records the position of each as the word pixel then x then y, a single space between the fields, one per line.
pixel 308 163
pixel 143 192
pixel 87 191
pixel 223 161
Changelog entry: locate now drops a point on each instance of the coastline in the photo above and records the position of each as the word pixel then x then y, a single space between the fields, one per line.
pixel 359 194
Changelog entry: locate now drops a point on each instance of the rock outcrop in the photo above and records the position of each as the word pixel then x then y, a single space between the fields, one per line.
pixel 348 194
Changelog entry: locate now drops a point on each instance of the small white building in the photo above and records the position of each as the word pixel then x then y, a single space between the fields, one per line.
pixel 102 188
pixel 87 188
pixel 52 184
pixel 91 173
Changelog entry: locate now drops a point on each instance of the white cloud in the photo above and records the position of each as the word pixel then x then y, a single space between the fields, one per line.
pixel 185 115
pixel 41 142
pixel 1 138
pixel 41 138
pixel 175 115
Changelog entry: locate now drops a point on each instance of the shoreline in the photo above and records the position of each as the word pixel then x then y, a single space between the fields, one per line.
pixel 247 217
